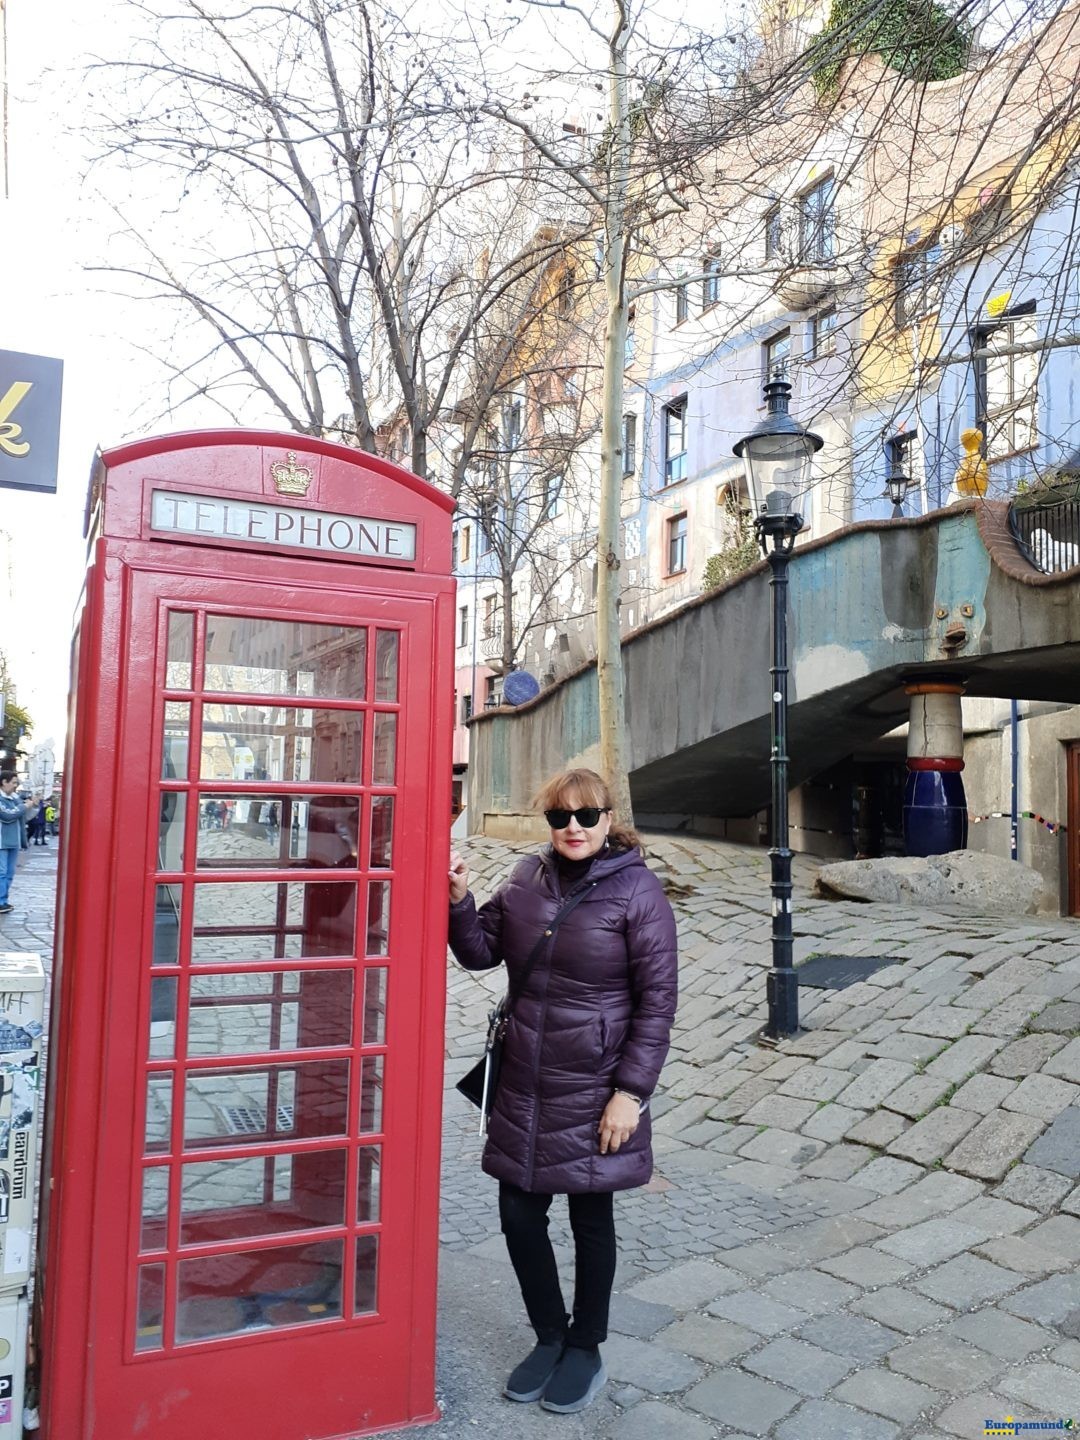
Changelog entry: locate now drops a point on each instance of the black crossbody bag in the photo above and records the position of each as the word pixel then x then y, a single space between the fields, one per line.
pixel 478 1084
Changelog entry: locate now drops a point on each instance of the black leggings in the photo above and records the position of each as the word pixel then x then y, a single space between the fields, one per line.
pixel 524 1218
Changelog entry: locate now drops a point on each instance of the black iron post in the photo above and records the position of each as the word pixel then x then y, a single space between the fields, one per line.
pixel 777 456
pixel 782 986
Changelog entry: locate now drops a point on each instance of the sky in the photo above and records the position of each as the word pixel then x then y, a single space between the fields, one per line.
pixel 52 307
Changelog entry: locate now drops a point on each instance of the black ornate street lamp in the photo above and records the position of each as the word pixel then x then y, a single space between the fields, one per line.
pixel 896 486
pixel 776 456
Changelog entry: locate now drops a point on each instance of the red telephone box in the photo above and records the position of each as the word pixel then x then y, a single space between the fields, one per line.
pixel 240 1215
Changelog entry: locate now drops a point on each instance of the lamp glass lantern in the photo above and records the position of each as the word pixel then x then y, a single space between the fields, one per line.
pixel 777 457
pixel 897 483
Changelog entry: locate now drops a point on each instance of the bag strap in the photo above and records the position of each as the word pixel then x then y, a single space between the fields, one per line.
pixel 534 955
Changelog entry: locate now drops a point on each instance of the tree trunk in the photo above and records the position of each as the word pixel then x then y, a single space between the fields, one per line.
pixel 609 666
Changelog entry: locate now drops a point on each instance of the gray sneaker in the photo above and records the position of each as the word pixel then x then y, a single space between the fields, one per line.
pixel 578 1377
pixel 528 1379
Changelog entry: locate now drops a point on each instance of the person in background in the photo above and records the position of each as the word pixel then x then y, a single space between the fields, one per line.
pixel 13 817
pixel 41 826
pixel 587 1037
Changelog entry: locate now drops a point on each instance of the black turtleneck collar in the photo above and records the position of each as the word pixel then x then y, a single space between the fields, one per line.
pixel 573 871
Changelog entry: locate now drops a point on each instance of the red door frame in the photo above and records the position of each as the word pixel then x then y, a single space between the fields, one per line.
pixel 323 1379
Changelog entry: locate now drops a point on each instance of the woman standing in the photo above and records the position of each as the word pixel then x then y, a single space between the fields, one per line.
pixel 586 1041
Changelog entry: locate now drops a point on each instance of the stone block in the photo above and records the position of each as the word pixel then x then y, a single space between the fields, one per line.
pixel 900 1309
pixel 1066 1063
pixel 653 1368
pixel 816 1082
pixel 1046 1388
pixel 779 1147
pixel 757 1312
pixel 887 1394
pixel 917 1095
pixel 687 1286
pixel 967 1281
pixel 1033 1186
pixel 944 1363
pixel 641 1318
pixel 931 1241
pixel 983 1093
pixel 940 1021
pixel 1017 1253
pixel 1058 1149
pixel 866 1266
pixel 964 1057
pixel 821 1239
pixel 1071 1205
pixel 653 1420
pixel 994 1217
pixel 996 1142
pixel 780 1111
pixel 1050 1302
pixel 934 1136
pixel 877 1130
pixel 829 1420
pixel 885 1176
pixel 1026 1056
pixel 839 1162
pixel 803 1367
pixel 1060 1017
pixel 814 1292
pixel 742 1402
pixel 879 1080
pixel 1000 1334
pixel 967 1417
pixel 707 1338
pixel 850 1335
pixel 832 1122
pixel 1060 1235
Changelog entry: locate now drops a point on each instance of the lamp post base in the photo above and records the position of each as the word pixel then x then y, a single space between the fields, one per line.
pixel 782 994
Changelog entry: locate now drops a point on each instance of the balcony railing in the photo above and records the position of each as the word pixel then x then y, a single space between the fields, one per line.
pixel 1048 534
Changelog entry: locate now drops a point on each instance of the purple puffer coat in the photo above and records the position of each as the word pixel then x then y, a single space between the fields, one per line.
pixel 596 1013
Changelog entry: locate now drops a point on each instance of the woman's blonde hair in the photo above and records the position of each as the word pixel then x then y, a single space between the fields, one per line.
pixel 593 790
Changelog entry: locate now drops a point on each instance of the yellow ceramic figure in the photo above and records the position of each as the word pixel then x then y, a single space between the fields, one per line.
pixel 972 474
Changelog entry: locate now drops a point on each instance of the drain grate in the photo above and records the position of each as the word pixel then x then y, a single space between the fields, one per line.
pixel 251 1120
pixel 837 972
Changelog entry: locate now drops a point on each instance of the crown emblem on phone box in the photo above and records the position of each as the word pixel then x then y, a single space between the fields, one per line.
pixel 289 477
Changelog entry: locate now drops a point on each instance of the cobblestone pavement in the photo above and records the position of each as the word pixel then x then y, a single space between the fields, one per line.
pixel 872 1231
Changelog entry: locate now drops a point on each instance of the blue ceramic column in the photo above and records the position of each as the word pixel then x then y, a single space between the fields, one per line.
pixel 935 806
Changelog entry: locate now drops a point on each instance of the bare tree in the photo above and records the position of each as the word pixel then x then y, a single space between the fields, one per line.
pixel 342 251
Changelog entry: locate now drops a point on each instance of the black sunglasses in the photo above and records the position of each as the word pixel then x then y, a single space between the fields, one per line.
pixel 585 815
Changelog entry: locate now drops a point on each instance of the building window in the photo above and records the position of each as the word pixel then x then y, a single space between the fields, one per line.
pixel 487 525
pixel 491 616
pixel 776 356
pixel 455 542
pixel 1007 386
pixel 676 545
pixel 682 303
pixel 466 708
pixel 817 223
pixel 513 425
pixel 629 347
pixel 823 334
pixel 675 441
pixel 629 444
pixel 465 543
pixel 773 233
pixel 548 489
pixel 915 276
pixel 710 286
pixel 463 625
